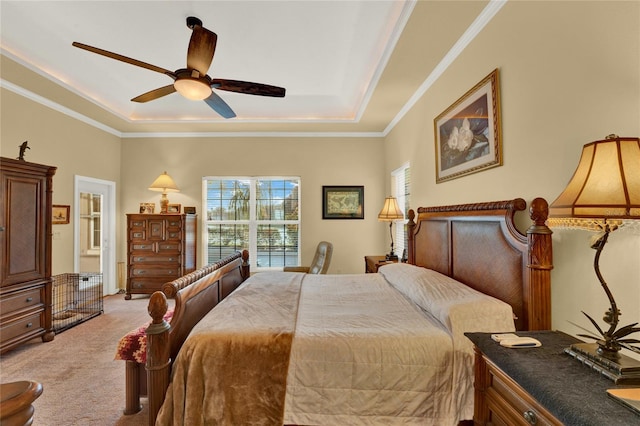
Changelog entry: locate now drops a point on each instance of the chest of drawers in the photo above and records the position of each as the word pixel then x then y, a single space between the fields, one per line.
pixel 160 248
pixel 25 247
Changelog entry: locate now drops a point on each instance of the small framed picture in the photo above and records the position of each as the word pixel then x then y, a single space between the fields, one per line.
pixel 147 208
pixel 60 214
pixel 343 202
pixel 174 208
pixel 189 210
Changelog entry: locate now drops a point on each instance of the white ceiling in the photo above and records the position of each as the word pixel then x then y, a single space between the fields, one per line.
pixel 330 56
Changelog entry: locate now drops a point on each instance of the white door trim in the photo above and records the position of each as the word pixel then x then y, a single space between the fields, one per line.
pixel 108 258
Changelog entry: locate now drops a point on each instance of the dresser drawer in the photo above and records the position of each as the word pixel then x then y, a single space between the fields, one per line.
pixel 137 234
pixel 174 223
pixel 156 271
pixel 169 247
pixel 174 234
pixel 142 247
pixel 164 258
pixel 510 405
pixel 20 300
pixel 31 324
pixel 146 285
pixel 137 223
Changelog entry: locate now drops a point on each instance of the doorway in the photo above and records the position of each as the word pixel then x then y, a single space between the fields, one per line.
pixel 95 230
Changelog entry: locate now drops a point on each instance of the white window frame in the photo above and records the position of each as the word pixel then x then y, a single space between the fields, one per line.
pixel 253 222
pixel 398 191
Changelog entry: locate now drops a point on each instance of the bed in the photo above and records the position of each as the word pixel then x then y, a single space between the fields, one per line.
pixel 290 348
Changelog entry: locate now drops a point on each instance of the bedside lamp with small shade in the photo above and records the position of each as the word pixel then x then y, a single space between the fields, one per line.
pixel 164 183
pixel 603 196
pixel 390 213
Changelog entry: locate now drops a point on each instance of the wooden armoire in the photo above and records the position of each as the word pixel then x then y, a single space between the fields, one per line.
pixel 160 248
pixel 25 260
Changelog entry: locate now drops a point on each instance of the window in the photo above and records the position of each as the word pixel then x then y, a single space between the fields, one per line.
pixel 260 214
pixel 90 227
pixel 401 189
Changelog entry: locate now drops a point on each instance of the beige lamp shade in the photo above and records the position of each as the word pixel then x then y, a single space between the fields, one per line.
pixel 390 211
pixel 606 185
pixel 164 184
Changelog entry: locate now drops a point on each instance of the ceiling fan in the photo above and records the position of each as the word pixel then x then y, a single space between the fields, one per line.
pixel 193 82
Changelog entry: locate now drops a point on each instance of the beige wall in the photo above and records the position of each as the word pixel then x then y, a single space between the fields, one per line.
pixel 318 161
pixel 58 140
pixel 570 75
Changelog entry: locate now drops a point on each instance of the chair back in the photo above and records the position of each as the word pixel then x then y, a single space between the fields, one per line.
pixel 322 258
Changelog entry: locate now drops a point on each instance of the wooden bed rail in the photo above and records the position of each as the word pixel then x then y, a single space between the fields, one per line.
pixel 195 295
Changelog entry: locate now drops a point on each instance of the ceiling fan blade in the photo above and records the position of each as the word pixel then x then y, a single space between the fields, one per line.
pixel 155 94
pixel 202 46
pixel 124 59
pixel 247 87
pixel 218 105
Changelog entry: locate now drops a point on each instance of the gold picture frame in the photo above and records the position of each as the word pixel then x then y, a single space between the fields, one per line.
pixel 174 208
pixel 468 135
pixel 147 208
pixel 60 214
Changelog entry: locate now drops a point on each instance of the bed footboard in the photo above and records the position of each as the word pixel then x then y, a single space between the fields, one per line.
pixel 195 295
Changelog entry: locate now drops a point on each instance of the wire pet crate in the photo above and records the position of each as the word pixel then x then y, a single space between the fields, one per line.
pixel 76 298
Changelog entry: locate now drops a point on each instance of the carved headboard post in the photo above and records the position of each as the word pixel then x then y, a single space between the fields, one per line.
pixel 158 357
pixel 540 264
pixel 411 225
pixel 245 268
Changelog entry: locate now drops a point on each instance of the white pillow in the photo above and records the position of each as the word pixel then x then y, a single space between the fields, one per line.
pixel 459 308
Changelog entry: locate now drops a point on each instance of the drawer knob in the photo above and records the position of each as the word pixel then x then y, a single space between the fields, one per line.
pixel 29 324
pixel 29 299
pixel 530 417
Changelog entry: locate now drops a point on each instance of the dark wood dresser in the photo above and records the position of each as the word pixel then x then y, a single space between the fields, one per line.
pixel 160 248
pixel 541 386
pixel 25 262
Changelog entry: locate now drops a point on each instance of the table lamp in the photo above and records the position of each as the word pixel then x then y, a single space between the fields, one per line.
pixel 390 213
pixel 602 196
pixel 164 184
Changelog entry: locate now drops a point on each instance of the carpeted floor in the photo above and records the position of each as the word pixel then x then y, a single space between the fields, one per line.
pixel 83 384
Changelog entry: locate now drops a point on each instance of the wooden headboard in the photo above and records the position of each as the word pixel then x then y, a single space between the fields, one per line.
pixel 480 246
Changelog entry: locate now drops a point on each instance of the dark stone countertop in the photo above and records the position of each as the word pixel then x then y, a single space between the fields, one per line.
pixel 574 393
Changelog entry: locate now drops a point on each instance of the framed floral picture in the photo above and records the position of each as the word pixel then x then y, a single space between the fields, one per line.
pixel 468 135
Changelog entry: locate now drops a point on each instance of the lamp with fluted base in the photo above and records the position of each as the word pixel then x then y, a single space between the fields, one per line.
pixel 390 213
pixel 604 195
pixel 164 184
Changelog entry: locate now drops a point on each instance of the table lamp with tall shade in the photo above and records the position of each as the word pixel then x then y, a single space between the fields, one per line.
pixel 164 184
pixel 602 196
pixel 390 213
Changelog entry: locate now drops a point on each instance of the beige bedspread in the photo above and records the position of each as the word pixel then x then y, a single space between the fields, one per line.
pixel 366 349
pixel 232 369
pixel 365 355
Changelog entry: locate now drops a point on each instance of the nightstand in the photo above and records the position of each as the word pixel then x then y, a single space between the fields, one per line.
pixel 372 263
pixel 542 386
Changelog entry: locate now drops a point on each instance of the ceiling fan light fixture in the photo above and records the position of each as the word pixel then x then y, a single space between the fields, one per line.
pixel 192 88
